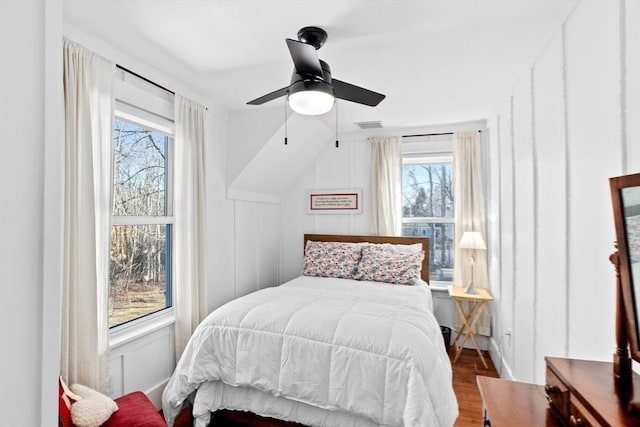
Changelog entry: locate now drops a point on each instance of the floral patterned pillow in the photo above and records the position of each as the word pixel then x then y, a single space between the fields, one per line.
pixel 381 265
pixel 331 259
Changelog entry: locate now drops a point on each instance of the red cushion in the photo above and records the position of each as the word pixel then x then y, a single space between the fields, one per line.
pixel 135 410
pixel 64 413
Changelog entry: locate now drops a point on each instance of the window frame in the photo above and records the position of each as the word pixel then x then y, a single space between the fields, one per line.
pixel 141 104
pixel 428 150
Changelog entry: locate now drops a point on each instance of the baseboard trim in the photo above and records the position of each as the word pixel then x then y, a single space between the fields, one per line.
pixel 499 362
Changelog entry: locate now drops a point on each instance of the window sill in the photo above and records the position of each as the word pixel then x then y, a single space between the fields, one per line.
pixel 123 334
pixel 439 286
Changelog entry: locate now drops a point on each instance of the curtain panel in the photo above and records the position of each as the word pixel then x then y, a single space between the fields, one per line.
pixel 88 110
pixel 386 186
pixel 190 220
pixel 469 214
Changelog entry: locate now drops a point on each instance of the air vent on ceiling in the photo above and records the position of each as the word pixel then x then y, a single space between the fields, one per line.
pixel 369 125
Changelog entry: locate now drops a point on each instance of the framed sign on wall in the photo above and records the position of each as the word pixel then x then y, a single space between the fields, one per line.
pixel 334 201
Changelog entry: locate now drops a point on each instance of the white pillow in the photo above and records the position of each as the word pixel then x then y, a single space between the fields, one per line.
pixel 399 248
pixel 93 409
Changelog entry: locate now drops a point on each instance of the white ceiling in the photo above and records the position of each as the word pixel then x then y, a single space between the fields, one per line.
pixel 437 61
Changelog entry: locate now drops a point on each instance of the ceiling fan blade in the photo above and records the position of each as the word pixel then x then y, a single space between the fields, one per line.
pixel 358 94
pixel 270 96
pixel 305 58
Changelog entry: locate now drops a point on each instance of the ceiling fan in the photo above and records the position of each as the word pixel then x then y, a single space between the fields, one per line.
pixel 312 91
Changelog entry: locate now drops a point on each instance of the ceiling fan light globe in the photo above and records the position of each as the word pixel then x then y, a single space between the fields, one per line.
pixel 311 102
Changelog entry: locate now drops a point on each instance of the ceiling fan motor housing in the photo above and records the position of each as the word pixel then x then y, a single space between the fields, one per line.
pixel 312 94
pixel 311 85
pixel 324 78
pixel 315 36
pixel 310 82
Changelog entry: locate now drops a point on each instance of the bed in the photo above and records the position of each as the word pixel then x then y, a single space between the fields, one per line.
pixel 331 347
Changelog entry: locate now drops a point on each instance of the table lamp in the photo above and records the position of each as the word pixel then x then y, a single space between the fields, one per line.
pixel 472 240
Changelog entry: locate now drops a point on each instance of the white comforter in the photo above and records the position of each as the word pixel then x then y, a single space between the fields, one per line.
pixel 321 352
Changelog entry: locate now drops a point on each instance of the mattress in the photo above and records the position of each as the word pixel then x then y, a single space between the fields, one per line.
pixel 320 351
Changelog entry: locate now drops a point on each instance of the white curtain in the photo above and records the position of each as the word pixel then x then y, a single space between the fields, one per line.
pixel 386 186
pixel 469 214
pixel 189 210
pixel 88 106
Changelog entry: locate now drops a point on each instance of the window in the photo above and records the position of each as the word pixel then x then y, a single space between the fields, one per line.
pixel 427 200
pixel 140 257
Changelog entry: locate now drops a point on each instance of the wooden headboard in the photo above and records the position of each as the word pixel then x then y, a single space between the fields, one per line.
pixel 377 239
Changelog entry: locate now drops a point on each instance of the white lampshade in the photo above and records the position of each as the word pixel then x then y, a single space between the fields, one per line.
pixel 311 102
pixel 472 240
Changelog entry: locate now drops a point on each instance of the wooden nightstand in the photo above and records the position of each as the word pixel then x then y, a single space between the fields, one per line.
pixel 477 302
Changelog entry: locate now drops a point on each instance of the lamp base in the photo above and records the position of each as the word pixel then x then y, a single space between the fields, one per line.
pixel 471 289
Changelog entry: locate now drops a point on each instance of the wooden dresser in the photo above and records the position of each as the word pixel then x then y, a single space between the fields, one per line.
pixel 510 403
pixel 582 393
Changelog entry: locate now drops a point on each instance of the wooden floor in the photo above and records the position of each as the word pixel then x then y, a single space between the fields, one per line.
pixel 465 370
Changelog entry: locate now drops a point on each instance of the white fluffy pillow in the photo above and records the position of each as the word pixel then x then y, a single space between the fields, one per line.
pixel 93 409
pixel 399 248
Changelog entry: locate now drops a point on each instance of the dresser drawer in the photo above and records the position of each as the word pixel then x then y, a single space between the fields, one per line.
pixel 557 394
pixel 594 399
pixel 579 416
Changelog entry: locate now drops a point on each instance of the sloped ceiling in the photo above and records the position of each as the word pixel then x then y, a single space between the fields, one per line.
pixel 438 61
pixel 274 167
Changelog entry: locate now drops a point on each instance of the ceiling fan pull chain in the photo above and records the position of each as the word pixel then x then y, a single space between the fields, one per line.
pixel 286 100
pixel 337 143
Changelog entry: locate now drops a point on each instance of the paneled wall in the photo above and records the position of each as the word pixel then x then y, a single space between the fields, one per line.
pixel 264 240
pixel 135 365
pixel 256 246
pixel 345 167
pixel 243 248
pixel 563 130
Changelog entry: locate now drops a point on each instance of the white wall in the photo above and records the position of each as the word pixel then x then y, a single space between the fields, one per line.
pixel 30 119
pixel 268 167
pixel 135 364
pixel 256 246
pixel 346 167
pixel 562 132
pixel 220 214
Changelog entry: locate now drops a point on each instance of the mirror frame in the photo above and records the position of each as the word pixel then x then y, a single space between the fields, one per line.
pixel 617 184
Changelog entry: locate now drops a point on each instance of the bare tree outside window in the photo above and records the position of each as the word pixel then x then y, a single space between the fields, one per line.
pixel 427 211
pixel 140 254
